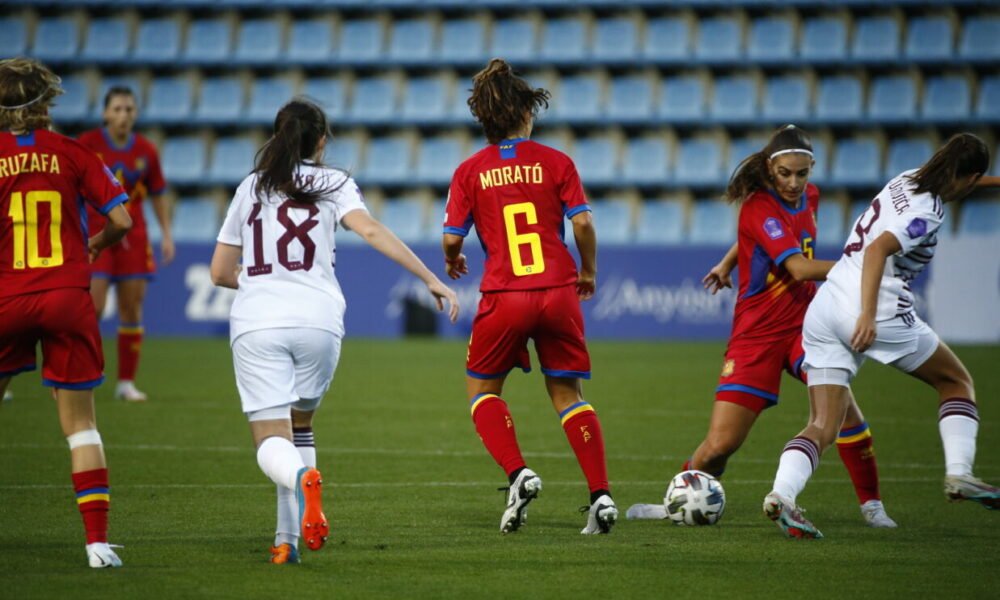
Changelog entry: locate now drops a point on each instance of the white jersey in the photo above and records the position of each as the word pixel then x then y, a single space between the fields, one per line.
pixel 289 255
pixel 914 219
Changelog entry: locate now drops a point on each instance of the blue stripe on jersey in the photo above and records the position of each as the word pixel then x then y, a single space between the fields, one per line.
pixel 803 202
pixel 111 143
pixel 119 199
pixel 735 387
pixel 781 257
pixel 456 231
pixel 27 139
pixel 572 212
pixel 760 266
pixel 82 385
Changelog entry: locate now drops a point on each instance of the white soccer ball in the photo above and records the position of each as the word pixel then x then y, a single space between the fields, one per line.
pixel 694 498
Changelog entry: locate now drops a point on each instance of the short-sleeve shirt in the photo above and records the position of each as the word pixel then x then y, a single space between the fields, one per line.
pixel 136 165
pixel 289 254
pixel 770 301
pixel 914 220
pixel 45 181
pixel 518 195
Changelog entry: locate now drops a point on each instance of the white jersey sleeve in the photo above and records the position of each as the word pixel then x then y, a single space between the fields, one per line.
pixel 231 232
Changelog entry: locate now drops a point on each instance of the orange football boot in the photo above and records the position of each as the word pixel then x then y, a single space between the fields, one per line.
pixel 315 528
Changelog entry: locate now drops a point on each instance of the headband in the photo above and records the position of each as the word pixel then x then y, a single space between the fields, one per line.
pixel 39 98
pixel 791 151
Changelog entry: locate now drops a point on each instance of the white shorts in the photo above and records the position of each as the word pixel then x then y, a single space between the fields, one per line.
pixel 904 342
pixel 278 367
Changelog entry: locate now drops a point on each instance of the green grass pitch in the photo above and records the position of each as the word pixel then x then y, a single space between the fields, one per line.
pixel 410 491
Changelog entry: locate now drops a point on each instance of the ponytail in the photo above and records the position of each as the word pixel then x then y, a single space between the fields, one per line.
pixel 501 101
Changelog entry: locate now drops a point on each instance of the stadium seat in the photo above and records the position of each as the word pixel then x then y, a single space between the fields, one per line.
pixel 412 40
pixel 947 98
pixel 615 39
pixel 771 39
pixel 824 39
pixel 682 100
pixel 14 41
pixel 876 39
pixel 712 222
pixel 405 217
pixel 343 153
pixel 906 154
pixel 613 221
pixel 515 39
pixel 330 93
pixel 988 103
pixel 232 160
pixel 631 99
pixel 157 41
pixel 564 40
pixel 929 39
pixel 387 161
pixel 892 99
pixel 433 224
pixel 171 100
pixel 699 162
pixel 220 101
pixel 646 161
pixel 310 42
pixel 855 210
pixel 74 104
pixel 196 220
pixel 153 230
pixel 579 99
pixel 56 39
pixel 267 96
pixel 425 99
pixel 596 159
pixel 259 41
pixel 734 99
pixel 857 163
pixel 980 39
pixel 463 41
pixel 184 160
pixel 668 39
pixel 107 41
pixel 209 41
pixel 720 39
pixel 437 160
pixel 839 99
pixel 980 217
pixel 361 41
pixel 821 157
pixel 374 100
pixel 660 223
pixel 787 99
pixel 739 150
pixel 830 227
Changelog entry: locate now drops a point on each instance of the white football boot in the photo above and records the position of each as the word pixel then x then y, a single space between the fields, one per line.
pixel 524 489
pixel 8 395
pixel 874 513
pixel 646 511
pixel 601 516
pixel 126 390
pixel 101 556
pixel 967 487
pixel 789 517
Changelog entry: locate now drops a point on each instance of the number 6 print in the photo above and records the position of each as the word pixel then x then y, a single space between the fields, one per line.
pixel 515 240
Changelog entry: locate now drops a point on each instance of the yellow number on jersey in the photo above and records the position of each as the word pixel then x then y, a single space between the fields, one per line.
pixel 515 240
pixel 808 247
pixel 25 218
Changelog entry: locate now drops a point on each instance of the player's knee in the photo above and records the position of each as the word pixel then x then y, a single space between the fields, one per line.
pixel 720 446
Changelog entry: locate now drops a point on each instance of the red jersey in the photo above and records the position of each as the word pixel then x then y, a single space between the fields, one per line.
pixel 45 179
pixel 770 301
pixel 517 194
pixel 137 167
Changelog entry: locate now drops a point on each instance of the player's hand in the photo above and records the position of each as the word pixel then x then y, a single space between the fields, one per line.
pixel 457 267
pixel 717 279
pixel 443 293
pixel 586 284
pixel 864 334
pixel 167 250
pixel 94 248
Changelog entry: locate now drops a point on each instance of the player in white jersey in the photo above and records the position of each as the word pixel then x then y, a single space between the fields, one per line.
pixel 865 309
pixel 287 321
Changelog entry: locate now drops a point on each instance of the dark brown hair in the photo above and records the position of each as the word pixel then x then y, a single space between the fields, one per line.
pixel 118 90
pixel 752 175
pixel 27 91
pixel 964 154
pixel 298 128
pixel 501 100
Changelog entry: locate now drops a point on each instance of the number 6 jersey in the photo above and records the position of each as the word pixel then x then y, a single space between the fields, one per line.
pixel 289 254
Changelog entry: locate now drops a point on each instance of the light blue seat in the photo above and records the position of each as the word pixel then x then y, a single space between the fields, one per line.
pixel 412 40
pixel 720 39
pixel 646 161
pixel 267 96
pixel 831 230
pixel 387 161
pixel 906 154
pixel 74 104
pixel 516 39
pixel 374 100
pixel 580 98
pixel 153 230
pixel 171 100
pixel 712 222
pixel 330 93
pixel 361 41
pixel 310 42
pixel 929 39
pixel 56 39
pixel 463 41
pixel 613 221
pixel 787 99
pixel 699 162
pixel 458 108
pixel 876 39
pixel 259 41
pixel 631 99
pixel 108 82
pixel 425 99
pixel 988 103
pixel 232 160
pixel 564 40
pixel 615 40
pixel 437 160
pixel 824 39
pixel 209 41
pixel 343 153
pixel 433 227
pixel 980 217
pixel 682 100
pixel 184 160
pixel 220 101
pixel 14 41
pixel 405 217
pixel 855 210
pixel 596 160
pixel 980 39
pixel 947 98
pixel 661 223
pixel 772 39
pixel 196 220
pixel 821 157
pixel 840 99
pixel 107 41
pixel 734 99
pixel 893 98
pixel 857 163
pixel 668 39
pixel 739 150
pixel 157 41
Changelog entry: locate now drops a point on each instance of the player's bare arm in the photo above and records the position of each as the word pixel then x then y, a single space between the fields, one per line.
pixel 117 225
pixel 586 243
pixel 872 270
pixel 225 268
pixel 988 181
pixel 804 269
pixel 719 276
pixel 161 207
pixel 454 260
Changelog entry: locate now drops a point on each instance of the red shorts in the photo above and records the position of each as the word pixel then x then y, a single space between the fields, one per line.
pixel 751 373
pixel 506 320
pixel 130 258
pixel 64 321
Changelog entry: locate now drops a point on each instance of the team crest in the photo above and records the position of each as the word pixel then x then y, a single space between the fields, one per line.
pixel 773 228
pixel 140 164
pixel 728 367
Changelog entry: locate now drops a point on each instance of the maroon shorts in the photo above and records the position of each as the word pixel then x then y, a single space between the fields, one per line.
pixel 131 258
pixel 507 320
pixel 64 321
pixel 751 373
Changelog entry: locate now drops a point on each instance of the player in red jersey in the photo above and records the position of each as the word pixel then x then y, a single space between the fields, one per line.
pixel 517 194
pixel 129 265
pixel 775 242
pixel 45 179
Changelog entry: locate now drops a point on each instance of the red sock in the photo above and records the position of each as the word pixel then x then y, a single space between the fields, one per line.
pixel 93 500
pixel 129 345
pixel 496 428
pixel 855 448
pixel 686 466
pixel 583 430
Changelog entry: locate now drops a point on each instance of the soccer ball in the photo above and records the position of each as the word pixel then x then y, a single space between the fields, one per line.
pixel 694 498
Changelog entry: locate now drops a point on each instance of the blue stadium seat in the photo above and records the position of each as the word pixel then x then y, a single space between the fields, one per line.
pixel 613 221
pixel 857 162
pixel 615 39
pixel 564 39
pixel 787 99
pixel 437 160
pixel 15 38
pixel 232 160
pixel 425 99
pixel 361 41
pixel 109 82
pixel 458 109
pixel 667 39
pixel 56 39
pixel 734 99
pixel 876 39
pixel 947 98
pixel 153 230
pixel 184 160
pixel 412 40
pixel 580 98
pixel 682 100
pixel 839 99
pixel 343 153
pixel 830 227
pixel 209 41
pixel 893 98
pixel 259 41
pixel 980 39
pixel 988 103
pixel 646 161
pixel 405 217
pixel 699 162
pixel 980 217
pixel 330 93
pixel 267 96
pixel 387 161
pixel 821 156
pixel 435 219
pixel 220 101
pixel 824 39
pixel 310 42
pixel 596 159
pixel 712 222
pixel 740 149
pixel 196 220
pixel 906 154
pixel 374 101
pixel 74 104
pixel 107 41
pixel 171 100
pixel 855 210
pixel 720 39
pixel 631 99
pixel 661 223
pixel 463 41
pixel 771 39
pixel 157 41
pixel 929 38
pixel 515 39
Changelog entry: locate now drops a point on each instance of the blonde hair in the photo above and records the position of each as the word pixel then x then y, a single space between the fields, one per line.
pixel 27 91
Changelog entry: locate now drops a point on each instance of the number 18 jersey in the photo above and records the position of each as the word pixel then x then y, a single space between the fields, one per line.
pixel 288 276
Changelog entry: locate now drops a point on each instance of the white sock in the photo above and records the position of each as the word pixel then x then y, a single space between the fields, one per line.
pixel 305 441
pixel 798 461
pixel 287 531
pixel 958 436
pixel 280 461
